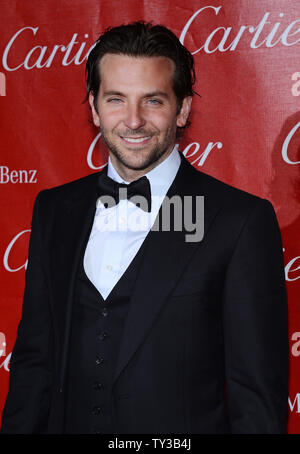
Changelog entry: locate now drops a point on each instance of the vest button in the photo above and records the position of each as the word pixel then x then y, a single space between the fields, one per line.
pixel 102 336
pixel 104 312
pixel 97 385
pixel 99 360
pixel 96 411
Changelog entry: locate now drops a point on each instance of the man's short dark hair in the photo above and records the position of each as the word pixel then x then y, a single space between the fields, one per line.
pixel 141 39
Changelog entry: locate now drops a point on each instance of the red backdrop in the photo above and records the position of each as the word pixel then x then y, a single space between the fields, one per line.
pixel 245 128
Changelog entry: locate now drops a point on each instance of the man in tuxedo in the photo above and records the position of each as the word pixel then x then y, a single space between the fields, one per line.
pixel 139 327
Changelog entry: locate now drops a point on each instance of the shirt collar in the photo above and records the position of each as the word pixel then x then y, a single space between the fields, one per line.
pixel 160 177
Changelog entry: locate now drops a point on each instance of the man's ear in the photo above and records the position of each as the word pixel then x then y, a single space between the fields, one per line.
pixel 183 115
pixel 96 118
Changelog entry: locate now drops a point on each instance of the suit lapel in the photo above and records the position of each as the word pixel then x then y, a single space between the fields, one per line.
pixel 165 259
pixel 73 223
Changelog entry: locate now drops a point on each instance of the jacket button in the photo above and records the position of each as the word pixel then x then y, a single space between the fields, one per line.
pixel 96 411
pixel 97 385
pixel 99 360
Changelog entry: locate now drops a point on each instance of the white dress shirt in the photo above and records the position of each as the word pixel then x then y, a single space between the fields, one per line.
pixel 118 232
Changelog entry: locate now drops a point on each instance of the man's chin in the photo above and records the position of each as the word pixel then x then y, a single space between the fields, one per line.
pixel 134 159
pixel 138 165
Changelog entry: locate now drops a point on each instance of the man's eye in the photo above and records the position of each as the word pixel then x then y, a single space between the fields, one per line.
pixel 154 101
pixel 114 100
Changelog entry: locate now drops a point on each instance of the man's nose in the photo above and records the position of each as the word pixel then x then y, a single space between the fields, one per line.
pixel 134 117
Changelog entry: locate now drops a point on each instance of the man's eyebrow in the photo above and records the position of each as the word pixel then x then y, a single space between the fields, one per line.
pixel 156 93
pixel 152 94
pixel 113 93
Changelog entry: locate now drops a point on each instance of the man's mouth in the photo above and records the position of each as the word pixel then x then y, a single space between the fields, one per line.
pixel 136 139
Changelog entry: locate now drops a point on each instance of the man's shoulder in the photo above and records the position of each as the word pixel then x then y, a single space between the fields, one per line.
pixel 214 187
pixel 71 189
pixel 225 191
pixel 234 207
pixel 222 194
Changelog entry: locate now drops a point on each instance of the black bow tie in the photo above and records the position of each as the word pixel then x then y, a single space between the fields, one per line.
pixel 119 191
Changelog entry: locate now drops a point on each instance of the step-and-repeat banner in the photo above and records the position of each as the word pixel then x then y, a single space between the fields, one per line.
pixel 245 127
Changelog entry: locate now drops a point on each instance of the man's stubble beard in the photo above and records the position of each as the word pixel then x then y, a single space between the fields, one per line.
pixel 153 156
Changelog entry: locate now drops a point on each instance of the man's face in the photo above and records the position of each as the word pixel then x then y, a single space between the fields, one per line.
pixel 137 111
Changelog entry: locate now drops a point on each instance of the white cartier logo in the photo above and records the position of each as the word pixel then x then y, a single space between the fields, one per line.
pixel 193 150
pixel 9 251
pixel 90 154
pixel 292 270
pixel 268 32
pixel 41 55
pixel 286 143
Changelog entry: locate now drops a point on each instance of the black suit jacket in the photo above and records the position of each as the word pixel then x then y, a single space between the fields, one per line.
pixel 205 344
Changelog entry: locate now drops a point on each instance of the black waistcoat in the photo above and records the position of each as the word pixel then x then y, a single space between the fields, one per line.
pixel 96 331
